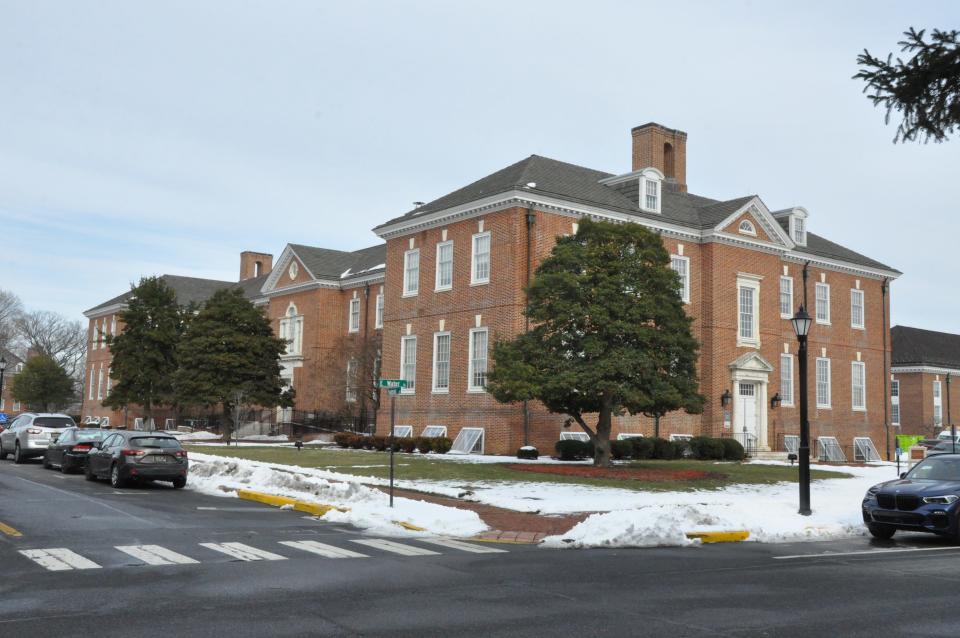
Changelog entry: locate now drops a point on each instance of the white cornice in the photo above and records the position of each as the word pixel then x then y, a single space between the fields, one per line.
pixel 924 370
pixel 761 213
pixel 844 266
pixel 106 310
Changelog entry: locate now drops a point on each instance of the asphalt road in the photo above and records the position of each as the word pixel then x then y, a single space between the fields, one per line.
pixel 181 574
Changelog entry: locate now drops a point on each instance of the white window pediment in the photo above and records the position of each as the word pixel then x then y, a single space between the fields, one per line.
pixel 752 362
pixel 748 229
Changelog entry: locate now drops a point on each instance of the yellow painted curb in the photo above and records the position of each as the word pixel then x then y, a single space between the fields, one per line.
pixel 9 531
pixel 501 542
pixel 316 509
pixel 732 536
pixel 409 526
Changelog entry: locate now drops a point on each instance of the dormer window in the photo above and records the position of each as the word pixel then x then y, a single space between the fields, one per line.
pixel 747 228
pixel 799 230
pixel 650 190
pixel 652 194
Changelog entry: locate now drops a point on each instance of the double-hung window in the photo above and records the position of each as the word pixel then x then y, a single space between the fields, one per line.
pixel 858 385
pixel 291 331
pixel 652 194
pixel 477 381
pixel 408 363
pixel 441 362
pixel 856 309
pixel 354 315
pixel 786 297
pixel 378 321
pixel 823 303
pixel 799 231
pixel 100 383
pixel 823 383
pixel 894 403
pixel 444 265
pixel 937 404
pixel 480 263
pixel 411 272
pixel 90 393
pixel 351 381
pixel 786 379
pixel 748 294
pixel 681 265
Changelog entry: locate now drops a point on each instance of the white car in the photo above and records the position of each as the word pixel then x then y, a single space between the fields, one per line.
pixel 945 435
pixel 30 433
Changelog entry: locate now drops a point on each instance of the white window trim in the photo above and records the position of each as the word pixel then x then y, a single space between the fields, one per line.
pixel 685 292
pixel 816 303
pixel 863 368
pixel 793 230
pixel 788 315
pixel 793 385
pixel 354 314
pixel 754 284
pixel 100 383
pixel 863 309
pixel 827 405
pixel 291 330
pixel 473 332
pixel 93 375
pixel 433 382
pixel 403 357
pixel 407 292
pixel 351 393
pixel 746 227
pixel 474 281
pixel 643 194
pixel 895 401
pixel 378 320
pixel 432 436
pixel 937 390
pixel 437 286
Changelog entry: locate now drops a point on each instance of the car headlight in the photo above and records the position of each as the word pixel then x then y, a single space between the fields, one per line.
pixel 947 499
pixel 873 491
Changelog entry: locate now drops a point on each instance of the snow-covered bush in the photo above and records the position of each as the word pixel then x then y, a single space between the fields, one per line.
pixel 528 452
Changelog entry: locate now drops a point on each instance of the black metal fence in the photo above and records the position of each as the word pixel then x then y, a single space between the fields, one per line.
pixel 291 423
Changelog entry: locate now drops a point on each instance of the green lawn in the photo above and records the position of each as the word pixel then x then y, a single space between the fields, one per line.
pixel 431 467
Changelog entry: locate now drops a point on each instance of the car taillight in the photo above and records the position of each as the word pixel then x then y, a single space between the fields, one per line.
pixel 34 431
pixel 132 452
pixel 81 448
pixel 182 454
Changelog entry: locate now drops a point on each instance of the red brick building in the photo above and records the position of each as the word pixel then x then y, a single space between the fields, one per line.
pixel 456 267
pixel 8 405
pixel 924 383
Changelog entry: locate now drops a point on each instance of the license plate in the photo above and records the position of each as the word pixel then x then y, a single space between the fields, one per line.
pixel 158 458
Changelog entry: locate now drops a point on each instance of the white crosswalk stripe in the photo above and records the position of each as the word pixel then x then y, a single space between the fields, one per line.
pixel 323 549
pixel 242 552
pixel 464 547
pixel 396 548
pixel 156 555
pixel 58 559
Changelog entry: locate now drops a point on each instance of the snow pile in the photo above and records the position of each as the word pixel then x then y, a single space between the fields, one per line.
pixel 199 435
pixel 369 508
pixel 768 512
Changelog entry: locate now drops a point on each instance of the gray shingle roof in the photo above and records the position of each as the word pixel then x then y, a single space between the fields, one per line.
pixel 582 185
pixel 194 290
pixel 915 347
pixel 325 263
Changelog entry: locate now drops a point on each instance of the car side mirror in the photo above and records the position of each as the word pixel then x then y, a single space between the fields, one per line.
pixel 903 475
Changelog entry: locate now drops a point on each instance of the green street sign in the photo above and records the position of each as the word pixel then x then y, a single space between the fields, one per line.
pixel 393 384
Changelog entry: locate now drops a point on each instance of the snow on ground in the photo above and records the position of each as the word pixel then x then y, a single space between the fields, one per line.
pixel 199 435
pixel 369 507
pixel 768 512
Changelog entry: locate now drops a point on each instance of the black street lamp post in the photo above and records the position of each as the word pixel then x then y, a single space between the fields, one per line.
pixel 3 366
pixel 801 326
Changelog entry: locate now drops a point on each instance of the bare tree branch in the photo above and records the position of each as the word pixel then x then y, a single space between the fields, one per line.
pixel 10 311
pixel 56 336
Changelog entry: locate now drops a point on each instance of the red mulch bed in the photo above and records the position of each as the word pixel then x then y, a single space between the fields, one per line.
pixel 632 473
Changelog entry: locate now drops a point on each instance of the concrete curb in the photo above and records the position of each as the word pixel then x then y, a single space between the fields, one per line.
pixel 316 509
pixel 728 536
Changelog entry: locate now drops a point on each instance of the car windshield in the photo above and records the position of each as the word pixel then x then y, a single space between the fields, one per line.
pixel 58 422
pixel 155 441
pixel 937 468
pixel 90 435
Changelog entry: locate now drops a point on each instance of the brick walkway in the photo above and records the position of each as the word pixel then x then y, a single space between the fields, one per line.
pixel 505 525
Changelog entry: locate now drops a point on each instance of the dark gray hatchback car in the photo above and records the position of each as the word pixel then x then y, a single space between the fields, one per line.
pixel 138 456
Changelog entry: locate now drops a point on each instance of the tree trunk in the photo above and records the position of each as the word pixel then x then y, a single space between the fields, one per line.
pixel 227 426
pixel 601 443
pixel 656 426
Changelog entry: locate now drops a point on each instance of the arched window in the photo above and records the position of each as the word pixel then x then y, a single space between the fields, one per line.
pixel 747 228
pixel 291 330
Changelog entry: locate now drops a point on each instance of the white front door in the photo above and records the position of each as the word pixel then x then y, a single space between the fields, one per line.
pixel 747 425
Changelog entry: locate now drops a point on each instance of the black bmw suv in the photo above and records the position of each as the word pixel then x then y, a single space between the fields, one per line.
pixel 138 456
pixel 925 499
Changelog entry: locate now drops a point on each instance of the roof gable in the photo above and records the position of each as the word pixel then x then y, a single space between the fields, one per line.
pixel 751 209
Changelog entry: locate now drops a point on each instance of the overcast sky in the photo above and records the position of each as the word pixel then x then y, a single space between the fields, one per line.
pixel 165 137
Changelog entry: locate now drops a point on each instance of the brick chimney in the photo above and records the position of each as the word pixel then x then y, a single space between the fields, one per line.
pixel 254 264
pixel 664 149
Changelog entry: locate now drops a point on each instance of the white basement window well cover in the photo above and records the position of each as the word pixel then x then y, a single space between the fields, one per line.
pixel 828 449
pixel 468 441
pixel 403 431
pixel 574 436
pixel 433 431
pixel 791 442
pixel 864 450
pixel 681 437
pixel 628 435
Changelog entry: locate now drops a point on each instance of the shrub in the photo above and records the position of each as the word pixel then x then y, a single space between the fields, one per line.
pixel 706 448
pixel 528 452
pixel 355 442
pixel 642 448
pixel 342 439
pixel 572 450
pixel 407 444
pixel 732 450
pixel 441 444
pixel 666 450
pixel 621 449
pixel 424 445
pixel 367 442
pixel 379 443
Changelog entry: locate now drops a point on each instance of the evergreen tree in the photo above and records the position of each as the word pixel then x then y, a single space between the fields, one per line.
pixel 925 88
pixel 42 382
pixel 229 351
pixel 610 334
pixel 145 353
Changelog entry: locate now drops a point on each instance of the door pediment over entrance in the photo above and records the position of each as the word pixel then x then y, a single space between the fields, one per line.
pixel 752 362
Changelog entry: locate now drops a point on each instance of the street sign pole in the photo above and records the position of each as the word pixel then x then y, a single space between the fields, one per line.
pixel 393 386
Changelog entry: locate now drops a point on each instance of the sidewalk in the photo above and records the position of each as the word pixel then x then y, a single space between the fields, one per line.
pixel 505 525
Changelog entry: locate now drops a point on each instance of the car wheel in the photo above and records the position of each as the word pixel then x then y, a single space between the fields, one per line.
pixel 115 479
pixel 89 473
pixel 882 532
pixel 17 455
pixel 179 482
pixel 3 454
pixel 65 467
pixel 46 462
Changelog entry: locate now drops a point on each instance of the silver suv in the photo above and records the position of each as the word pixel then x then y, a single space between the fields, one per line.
pixel 30 434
